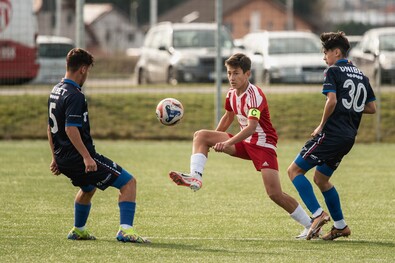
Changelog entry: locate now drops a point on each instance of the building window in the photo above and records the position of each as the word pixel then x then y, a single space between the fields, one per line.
pixel 229 26
pixel 108 36
pixel 269 26
pixel 70 18
pixel 255 21
pixel 53 20
pixel 131 37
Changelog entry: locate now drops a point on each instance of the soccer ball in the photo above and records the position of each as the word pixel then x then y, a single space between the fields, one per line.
pixel 169 111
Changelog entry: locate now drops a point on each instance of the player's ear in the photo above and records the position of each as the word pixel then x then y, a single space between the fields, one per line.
pixel 83 69
pixel 338 52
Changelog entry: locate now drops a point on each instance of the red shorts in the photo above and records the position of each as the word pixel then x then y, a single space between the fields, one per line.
pixel 262 157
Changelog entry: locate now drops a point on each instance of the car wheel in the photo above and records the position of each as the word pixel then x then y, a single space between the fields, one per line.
pixel 172 76
pixel 142 77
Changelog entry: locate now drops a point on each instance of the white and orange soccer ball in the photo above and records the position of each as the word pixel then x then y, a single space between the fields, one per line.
pixel 169 111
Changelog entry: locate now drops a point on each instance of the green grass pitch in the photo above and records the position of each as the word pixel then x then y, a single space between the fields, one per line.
pixel 230 219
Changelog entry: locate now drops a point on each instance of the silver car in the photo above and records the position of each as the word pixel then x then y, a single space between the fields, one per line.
pixel 376 47
pixel 52 52
pixel 286 56
pixel 180 52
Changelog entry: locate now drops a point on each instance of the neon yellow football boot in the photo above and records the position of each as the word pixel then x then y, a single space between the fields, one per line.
pixel 76 234
pixel 130 235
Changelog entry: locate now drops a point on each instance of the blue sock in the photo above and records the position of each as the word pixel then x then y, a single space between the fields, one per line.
pixel 81 213
pixel 126 210
pixel 332 201
pixel 306 192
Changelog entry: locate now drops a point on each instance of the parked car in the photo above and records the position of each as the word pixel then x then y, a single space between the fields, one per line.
pixel 286 56
pixel 181 52
pixel 353 40
pixel 377 47
pixel 52 52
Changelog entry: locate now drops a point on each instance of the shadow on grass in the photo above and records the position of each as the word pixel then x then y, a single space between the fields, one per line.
pixel 185 246
pixel 199 248
pixel 358 243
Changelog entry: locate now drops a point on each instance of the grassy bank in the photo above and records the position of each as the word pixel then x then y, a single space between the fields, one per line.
pixel 132 116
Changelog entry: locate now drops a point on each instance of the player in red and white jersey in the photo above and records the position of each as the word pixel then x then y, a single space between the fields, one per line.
pixel 253 99
pixel 255 141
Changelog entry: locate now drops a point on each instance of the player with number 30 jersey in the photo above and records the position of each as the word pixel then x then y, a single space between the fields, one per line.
pixel 353 91
pixel 348 95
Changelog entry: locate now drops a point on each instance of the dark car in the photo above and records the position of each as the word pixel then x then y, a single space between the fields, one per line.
pixel 181 52
pixel 377 47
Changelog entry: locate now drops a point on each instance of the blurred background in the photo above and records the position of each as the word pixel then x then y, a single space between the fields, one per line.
pixel 146 50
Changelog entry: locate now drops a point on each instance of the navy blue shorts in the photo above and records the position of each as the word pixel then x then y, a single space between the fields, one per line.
pixel 323 150
pixel 106 175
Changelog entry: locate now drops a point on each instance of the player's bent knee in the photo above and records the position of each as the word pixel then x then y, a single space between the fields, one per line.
pixel 129 186
pixel 319 181
pixel 123 179
pixel 199 134
pixel 292 172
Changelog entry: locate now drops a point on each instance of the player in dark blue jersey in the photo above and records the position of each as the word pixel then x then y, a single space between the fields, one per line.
pixel 348 95
pixel 74 155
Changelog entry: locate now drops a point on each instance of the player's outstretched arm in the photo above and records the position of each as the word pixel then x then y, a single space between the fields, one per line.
pixel 225 121
pixel 240 136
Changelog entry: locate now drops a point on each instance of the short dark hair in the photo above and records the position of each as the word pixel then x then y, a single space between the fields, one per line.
pixel 239 60
pixel 332 40
pixel 78 57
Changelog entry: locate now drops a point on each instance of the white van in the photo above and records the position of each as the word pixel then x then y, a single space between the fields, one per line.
pixel 52 52
pixel 18 50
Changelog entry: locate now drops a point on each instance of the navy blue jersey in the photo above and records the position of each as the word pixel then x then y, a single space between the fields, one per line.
pixel 67 106
pixel 353 92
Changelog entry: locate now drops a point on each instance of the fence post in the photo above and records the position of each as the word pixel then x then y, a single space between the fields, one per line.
pixel 80 25
pixel 218 61
pixel 378 97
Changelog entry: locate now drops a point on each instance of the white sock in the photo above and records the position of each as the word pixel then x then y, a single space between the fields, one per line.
pixel 125 226
pixel 81 228
pixel 198 161
pixel 340 224
pixel 300 216
pixel 318 212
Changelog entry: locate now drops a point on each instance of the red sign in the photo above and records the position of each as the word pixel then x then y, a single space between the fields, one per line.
pixel 5 14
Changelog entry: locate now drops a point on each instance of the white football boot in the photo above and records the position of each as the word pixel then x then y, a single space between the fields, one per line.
pixel 193 182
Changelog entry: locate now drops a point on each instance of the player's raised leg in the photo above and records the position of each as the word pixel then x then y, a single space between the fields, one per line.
pixel 203 140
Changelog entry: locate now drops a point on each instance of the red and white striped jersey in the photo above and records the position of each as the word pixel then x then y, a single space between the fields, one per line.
pixel 253 98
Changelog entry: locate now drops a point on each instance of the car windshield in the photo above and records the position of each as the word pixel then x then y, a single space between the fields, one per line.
pixel 199 38
pixel 387 42
pixel 54 50
pixel 293 45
